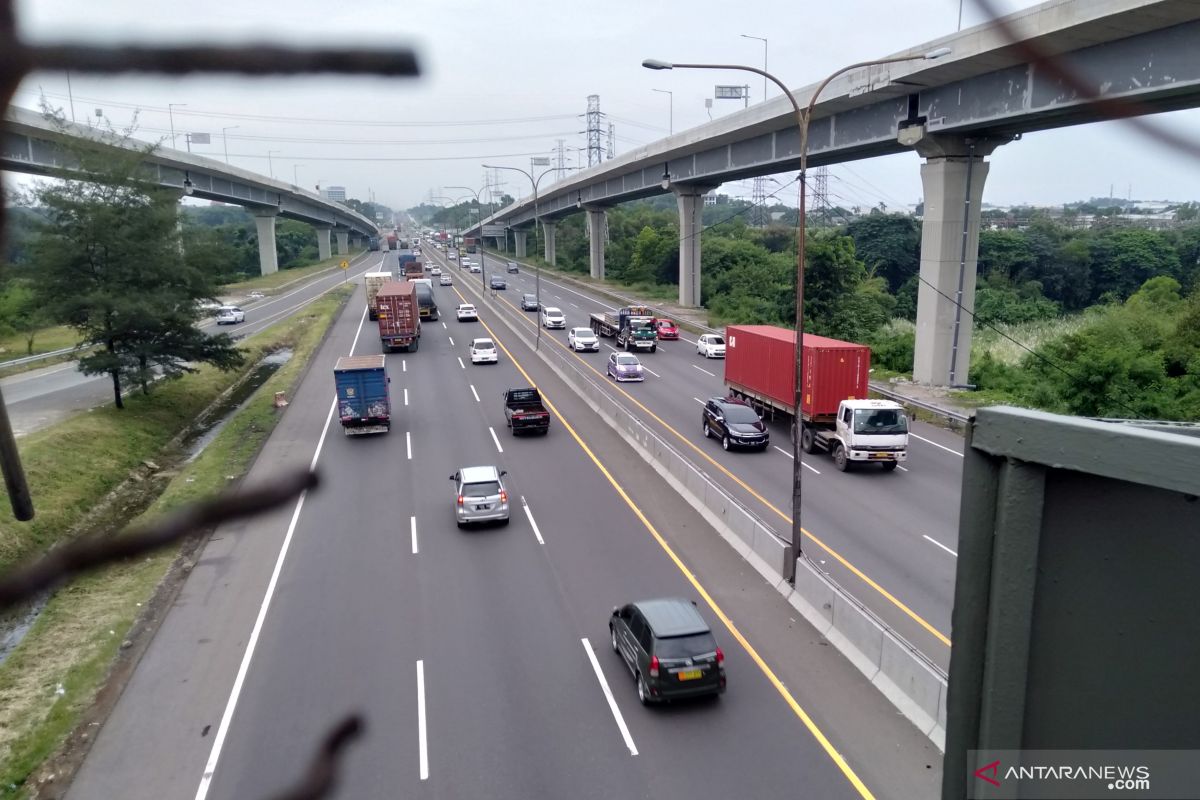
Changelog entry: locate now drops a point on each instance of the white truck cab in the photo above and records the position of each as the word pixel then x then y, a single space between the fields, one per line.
pixel 870 430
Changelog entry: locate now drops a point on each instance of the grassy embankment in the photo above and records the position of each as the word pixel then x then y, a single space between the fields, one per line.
pixel 51 678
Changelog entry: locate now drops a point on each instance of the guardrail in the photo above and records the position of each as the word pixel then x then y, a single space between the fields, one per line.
pixel 16 362
pixel 904 399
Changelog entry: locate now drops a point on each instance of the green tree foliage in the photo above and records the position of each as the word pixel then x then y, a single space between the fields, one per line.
pixel 1125 258
pixel 108 263
pixel 999 301
pixel 890 244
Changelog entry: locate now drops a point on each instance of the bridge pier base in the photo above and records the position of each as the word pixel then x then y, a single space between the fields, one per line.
pixel 691 222
pixel 548 229
pixel 952 177
pixel 268 259
pixel 597 222
pixel 519 241
pixel 324 251
pixel 343 242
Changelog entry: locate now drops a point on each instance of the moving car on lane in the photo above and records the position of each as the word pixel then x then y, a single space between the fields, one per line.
pixel 711 345
pixel 512 268
pixel 466 313
pixel 498 282
pixel 625 367
pixel 435 271
pixel 524 411
pixel 669 648
pixel 230 315
pixel 529 302
pixel 553 318
pixel 582 340
pixel 445 280
pixel 480 496
pixel 483 351
pixel 666 329
pixel 735 423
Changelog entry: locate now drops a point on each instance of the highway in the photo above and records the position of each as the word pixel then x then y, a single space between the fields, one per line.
pixel 41 397
pixel 480 657
pixel 889 539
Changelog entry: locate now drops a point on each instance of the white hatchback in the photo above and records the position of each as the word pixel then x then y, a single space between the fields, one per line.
pixel 483 351
pixel 711 345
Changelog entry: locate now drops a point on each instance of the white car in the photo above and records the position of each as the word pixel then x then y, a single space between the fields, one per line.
pixel 475 268
pixel 435 271
pixel 230 315
pixel 467 313
pixel 483 351
pixel 553 318
pixel 453 256
pixel 582 339
pixel 711 345
pixel 445 280
pixel 256 295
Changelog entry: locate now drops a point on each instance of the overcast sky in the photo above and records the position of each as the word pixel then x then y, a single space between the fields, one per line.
pixel 503 81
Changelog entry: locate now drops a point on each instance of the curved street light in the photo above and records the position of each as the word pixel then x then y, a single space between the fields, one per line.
pixel 802 120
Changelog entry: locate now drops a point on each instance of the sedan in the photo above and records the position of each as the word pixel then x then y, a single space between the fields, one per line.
pixel 466 313
pixel 666 329
pixel 625 367
pixel 711 345
pixel 435 271
pixel 483 351
pixel 498 283
pixel 512 267
pixel 582 339
pixel 445 280
pixel 553 318
pixel 256 295
pixel 230 315
pixel 476 269
pixel 453 256
pixel 735 423
pixel 529 302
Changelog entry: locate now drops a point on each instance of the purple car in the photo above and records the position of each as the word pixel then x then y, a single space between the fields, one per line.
pixel 625 367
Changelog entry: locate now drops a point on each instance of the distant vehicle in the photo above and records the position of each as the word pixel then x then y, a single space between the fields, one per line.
pixel 735 423
pixel 426 305
pixel 835 414
pixel 480 496
pixel 410 266
pixel 669 648
pixel 466 313
pixel 711 345
pixel 498 282
pixel 476 269
pixel 392 241
pixel 210 306
pixel 666 329
pixel 470 244
pixel 452 255
pixel 625 367
pixel 582 340
pixel 529 302
pixel 374 281
pixel 362 393
pixel 373 243
pixel 399 319
pixel 483 351
pixel 256 295
pixel 445 280
pixel 524 411
pixel 512 268
pixel 553 318
pixel 435 271
pixel 630 325
pixel 230 315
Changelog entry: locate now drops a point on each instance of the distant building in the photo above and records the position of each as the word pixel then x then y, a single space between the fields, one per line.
pixel 335 193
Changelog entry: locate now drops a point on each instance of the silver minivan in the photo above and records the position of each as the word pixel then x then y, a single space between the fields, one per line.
pixel 480 495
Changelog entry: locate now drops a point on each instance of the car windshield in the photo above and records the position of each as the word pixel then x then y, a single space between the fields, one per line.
pixel 666 323
pixel 627 360
pixel 698 644
pixel 485 489
pixel 740 414
pixel 484 346
pixel 553 312
pixel 583 333
pixel 880 420
pixel 715 340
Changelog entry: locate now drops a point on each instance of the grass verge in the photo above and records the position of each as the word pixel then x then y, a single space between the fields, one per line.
pixel 44 341
pixel 283 277
pixel 51 679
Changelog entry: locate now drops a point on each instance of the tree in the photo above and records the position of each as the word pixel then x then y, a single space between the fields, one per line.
pixel 107 262
pixel 1125 258
pixel 832 272
pixel 890 244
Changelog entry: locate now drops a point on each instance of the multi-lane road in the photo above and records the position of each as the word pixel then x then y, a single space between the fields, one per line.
pixel 888 538
pixel 481 657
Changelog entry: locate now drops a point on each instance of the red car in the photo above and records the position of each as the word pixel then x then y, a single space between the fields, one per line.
pixel 666 329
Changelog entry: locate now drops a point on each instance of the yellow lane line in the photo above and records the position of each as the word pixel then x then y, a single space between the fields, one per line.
pixel 826 745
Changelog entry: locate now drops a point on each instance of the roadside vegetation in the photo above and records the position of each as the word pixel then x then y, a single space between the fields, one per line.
pixel 1099 321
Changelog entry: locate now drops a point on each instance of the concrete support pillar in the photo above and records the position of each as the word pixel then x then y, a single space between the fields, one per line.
pixel 691 210
pixel 519 240
pixel 324 251
pixel 597 224
pixel 548 229
pixel 343 242
pixel 952 177
pixel 502 243
pixel 268 259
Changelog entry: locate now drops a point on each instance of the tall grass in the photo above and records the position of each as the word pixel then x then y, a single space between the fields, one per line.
pixel 1004 342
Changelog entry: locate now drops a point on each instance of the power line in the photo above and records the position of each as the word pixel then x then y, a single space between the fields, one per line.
pixel 317 140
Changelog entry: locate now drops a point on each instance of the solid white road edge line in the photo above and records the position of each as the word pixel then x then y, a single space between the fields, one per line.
pixel 413 524
pixel 608 695
pixel 214 756
pixel 935 444
pixel 495 439
pixel 939 544
pixel 422 738
pixel 529 514
pixel 475 393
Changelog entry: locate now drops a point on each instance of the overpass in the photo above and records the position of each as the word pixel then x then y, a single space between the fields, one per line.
pixel 953 112
pixel 34 143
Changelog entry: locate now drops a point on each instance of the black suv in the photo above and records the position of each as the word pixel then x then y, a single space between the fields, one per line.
pixel 498 283
pixel 735 423
pixel 529 302
pixel 669 649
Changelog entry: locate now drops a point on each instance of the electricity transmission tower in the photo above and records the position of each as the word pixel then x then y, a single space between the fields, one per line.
pixel 820 194
pixel 612 141
pixel 758 197
pixel 595 150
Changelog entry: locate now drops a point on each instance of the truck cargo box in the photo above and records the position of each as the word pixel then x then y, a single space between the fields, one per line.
pixel 362 391
pixel 399 325
pixel 760 362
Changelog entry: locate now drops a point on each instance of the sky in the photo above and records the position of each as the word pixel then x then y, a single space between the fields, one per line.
pixel 503 82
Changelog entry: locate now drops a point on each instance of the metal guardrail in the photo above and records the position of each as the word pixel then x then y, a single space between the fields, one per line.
pixel 16 362
pixel 904 399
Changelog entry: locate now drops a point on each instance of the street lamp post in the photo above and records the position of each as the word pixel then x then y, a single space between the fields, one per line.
pixel 270 163
pixel 225 139
pixel 478 216
pixel 764 41
pixel 671 97
pixel 295 174
pixel 802 120
pixel 171 116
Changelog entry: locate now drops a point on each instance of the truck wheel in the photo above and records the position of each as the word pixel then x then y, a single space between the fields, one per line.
pixel 412 348
pixel 840 459
pixel 890 466
pixel 807 440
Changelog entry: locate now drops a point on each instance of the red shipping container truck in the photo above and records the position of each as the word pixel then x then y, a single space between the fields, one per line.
pixel 399 323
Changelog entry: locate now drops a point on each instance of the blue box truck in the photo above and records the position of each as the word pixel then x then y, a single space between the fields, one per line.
pixel 362 392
